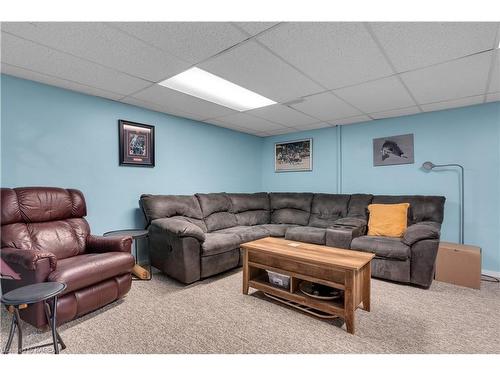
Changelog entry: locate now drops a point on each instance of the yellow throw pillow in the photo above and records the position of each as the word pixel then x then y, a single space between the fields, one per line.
pixel 388 220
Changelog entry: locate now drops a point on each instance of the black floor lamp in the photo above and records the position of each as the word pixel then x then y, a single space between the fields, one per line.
pixel 428 166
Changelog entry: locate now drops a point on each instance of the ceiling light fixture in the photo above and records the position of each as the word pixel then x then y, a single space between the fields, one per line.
pixel 208 86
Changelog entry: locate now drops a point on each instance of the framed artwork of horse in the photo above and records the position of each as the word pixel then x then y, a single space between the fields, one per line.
pixel 393 150
pixel 293 156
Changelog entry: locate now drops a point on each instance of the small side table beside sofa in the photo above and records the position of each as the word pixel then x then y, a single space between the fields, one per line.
pixel 20 298
pixel 137 234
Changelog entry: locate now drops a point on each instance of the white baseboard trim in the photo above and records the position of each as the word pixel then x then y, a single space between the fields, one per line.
pixel 490 273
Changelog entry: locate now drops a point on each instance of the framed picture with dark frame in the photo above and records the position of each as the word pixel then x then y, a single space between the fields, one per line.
pixel 293 156
pixel 397 149
pixel 137 144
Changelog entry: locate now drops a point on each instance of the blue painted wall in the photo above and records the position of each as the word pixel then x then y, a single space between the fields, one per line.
pixel 469 136
pixel 55 137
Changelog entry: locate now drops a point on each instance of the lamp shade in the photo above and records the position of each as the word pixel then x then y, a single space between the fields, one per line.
pixel 428 165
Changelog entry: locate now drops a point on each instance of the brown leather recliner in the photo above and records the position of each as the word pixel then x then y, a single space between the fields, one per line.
pixel 45 237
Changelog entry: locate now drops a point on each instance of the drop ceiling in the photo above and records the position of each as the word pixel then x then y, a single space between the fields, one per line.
pixel 320 74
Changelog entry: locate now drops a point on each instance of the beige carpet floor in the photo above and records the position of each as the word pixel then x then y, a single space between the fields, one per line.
pixel 212 316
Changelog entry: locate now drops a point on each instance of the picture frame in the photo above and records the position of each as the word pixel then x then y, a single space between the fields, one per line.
pixel 293 156
pixel 393 150
pixel 136 144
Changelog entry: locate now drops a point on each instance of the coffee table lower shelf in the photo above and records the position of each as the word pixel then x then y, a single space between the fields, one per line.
pixel 330 309
pixel 298 306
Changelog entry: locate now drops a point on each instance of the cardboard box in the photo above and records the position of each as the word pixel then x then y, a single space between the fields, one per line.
pixel 459 264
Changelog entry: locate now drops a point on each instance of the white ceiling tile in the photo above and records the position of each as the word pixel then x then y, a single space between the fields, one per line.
pixel 451 80
pixel 283 115
pixel 395 113
pixel 352 120
pixel 282 131
pixel 165 108
pixel 254 28
pixel 376 96
pixel 191 41
pixel 54 81
pixel 493 97
pixel 326 107
pixel 494 84
pixel 261 134
pixel 102 44
pixel 166 97
pixel 246 121
pixel 463 102
pixel 32 56
pixel 318 125
pixel 253 67
pixel 336 54
pixel 228 125
pixel 412 45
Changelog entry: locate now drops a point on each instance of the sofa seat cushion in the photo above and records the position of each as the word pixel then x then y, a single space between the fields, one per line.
pixel 385 247
pixel 276 230
pixel 88 269
pixel 217 243
pixel 246 233
pixel 307 234
pixel 351 222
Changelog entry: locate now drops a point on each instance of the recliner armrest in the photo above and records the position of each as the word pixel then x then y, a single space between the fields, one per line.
pixel 28 259
pixel 180 228
pixel 425 230
pixel 101 244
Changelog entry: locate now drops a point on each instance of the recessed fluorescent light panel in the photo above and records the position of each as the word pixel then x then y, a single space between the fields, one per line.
pixel 208 86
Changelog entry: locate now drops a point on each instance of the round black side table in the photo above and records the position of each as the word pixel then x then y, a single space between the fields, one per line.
pixel 136 234
pixel 21 297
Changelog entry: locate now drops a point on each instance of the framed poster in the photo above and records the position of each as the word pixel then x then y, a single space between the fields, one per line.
pixel 137 144
pixel 393 150
pixel 293 156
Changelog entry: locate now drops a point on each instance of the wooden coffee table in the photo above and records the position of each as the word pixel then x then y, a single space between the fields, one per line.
pixel 347 270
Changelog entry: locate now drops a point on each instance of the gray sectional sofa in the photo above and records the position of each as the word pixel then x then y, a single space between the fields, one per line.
pixel 197 236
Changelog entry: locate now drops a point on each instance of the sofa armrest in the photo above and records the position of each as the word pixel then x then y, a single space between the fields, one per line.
pixel 27 259
pixel 101 244
pixel 423 262
pixel 425 230
pixel 178 257
pixel 179 227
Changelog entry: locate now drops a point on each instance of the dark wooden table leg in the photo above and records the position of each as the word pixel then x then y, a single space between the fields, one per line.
pixel 245 271
pixel 349 302
pixel 367 279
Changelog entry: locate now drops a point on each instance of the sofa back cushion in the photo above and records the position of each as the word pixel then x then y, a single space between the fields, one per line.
pixel 216 209
pixel 290 208
pixel 358 205
pixel 44 219
pixel 422 208
pixel 327 208
pixel 250 209
pixel 162 206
